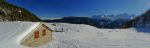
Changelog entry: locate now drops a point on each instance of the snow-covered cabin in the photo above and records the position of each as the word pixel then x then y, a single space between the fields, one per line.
pixel 24 34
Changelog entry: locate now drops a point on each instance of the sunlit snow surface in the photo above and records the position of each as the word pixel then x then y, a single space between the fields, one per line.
pixel 76 36
pixel 12 32
pixel 85 36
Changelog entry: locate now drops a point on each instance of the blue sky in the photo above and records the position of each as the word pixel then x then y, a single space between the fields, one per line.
pixel 61 8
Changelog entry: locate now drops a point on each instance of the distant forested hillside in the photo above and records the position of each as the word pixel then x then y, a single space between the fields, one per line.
pixel 9 12
pixel 140 21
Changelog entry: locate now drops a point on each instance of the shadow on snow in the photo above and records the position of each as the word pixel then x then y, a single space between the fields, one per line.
pixel 144 30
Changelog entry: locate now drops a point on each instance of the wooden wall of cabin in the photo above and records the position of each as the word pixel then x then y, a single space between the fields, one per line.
pixel 37 37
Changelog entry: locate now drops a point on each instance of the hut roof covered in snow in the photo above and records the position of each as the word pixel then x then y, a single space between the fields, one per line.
pixel 12 32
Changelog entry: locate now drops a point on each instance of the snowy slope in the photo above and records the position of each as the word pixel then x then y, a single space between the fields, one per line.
pixel 75 36
pixel 85 36
pixel 12 32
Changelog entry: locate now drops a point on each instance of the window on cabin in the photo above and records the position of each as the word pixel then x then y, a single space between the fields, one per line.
pixel 36 34
pixel 43 32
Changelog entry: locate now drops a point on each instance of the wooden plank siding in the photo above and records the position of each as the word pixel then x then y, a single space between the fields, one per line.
pixel 37 37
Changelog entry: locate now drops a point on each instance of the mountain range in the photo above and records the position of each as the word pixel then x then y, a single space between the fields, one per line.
pixel 10 12
pixel 140 21
pixel 100 21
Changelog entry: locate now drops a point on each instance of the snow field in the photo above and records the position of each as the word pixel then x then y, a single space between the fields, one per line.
pixel 85 36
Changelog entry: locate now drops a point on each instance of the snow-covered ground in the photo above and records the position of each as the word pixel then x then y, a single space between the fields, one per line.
pixel 11 33
pixel 76 36
pixel 85 36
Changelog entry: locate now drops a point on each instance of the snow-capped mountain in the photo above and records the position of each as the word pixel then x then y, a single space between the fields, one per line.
pixel 114 17
pixel 125 16
pixel 112 21
pixel 140 21
pixel 100 17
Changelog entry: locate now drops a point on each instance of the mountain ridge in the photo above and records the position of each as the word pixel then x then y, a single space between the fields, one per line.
pixel 10 12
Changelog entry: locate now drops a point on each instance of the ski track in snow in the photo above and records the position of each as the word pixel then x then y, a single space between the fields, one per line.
pixel 85 36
